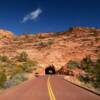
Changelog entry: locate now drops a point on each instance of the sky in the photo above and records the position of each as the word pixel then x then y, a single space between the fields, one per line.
pixel 33 16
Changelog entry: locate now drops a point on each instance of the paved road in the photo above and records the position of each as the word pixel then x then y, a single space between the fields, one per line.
pixel 47 88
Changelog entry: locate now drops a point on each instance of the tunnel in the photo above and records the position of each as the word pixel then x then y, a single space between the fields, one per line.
pixel 50 70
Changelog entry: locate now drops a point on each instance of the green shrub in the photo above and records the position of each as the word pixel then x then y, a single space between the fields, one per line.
pixel 16 70
pixel 8 68
pixel 96 82
pixel 19 77
pixel 98 65
pixel 72 64
pixel 23 57
pixel 3 78
pixel 4 58
pixel 2 68
pixel 96 68
pixel 42 44
pixel 84 78
pixel 96 72
pixel 93 72
pixel 16 79
pixel 28 66
pixel 86 63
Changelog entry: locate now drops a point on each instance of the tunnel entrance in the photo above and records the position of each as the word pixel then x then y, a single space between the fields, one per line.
pixel 50 70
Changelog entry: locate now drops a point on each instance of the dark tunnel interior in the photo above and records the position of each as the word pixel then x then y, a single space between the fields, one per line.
pixel 50 70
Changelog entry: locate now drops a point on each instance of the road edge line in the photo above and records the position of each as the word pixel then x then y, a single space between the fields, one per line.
pixel 82 87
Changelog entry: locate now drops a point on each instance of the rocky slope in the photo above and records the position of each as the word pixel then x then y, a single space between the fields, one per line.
pixel 5 37
pixel 55 48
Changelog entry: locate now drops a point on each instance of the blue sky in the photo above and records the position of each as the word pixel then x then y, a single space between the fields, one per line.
pixel 33 16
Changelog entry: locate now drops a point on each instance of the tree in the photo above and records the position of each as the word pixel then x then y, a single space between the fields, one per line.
pixel 86 63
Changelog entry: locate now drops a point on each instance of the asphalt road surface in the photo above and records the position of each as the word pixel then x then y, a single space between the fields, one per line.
pixel 47 88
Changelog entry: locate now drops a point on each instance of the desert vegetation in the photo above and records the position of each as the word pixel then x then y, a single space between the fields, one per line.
pixel 90 68
pixel 13 70
pixel 72 64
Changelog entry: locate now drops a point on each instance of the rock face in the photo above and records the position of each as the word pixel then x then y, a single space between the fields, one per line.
pixel 55 48
pixel 5 37
pixel 5 33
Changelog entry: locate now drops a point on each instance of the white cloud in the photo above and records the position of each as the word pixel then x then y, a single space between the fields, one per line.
pixel 33 15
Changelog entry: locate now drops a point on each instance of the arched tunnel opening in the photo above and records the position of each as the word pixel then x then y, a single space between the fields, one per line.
pixel 50 70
